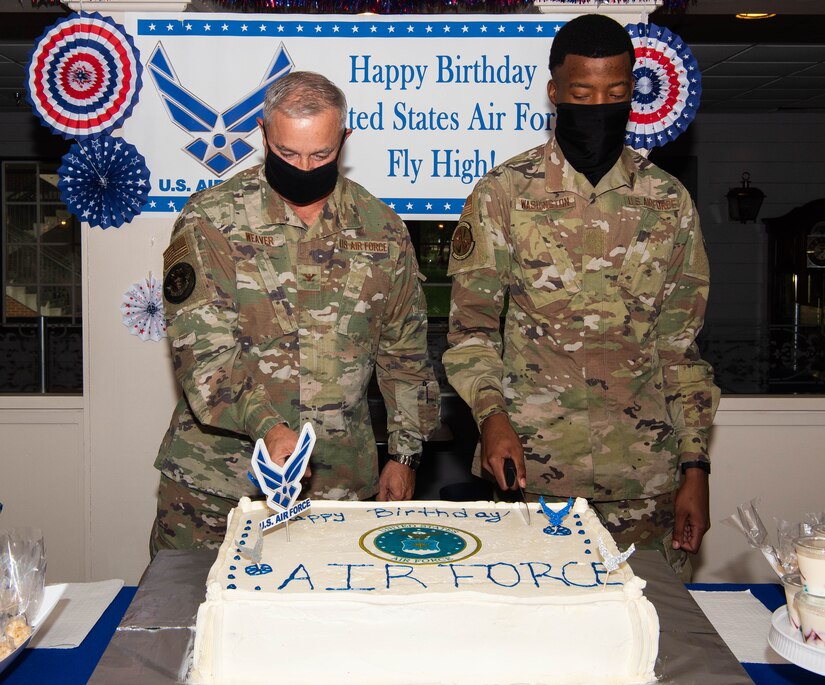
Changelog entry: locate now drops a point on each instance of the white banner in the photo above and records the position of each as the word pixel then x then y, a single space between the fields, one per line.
pixel 434 101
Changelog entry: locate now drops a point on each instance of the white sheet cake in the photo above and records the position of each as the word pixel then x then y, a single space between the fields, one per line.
pixel 422 592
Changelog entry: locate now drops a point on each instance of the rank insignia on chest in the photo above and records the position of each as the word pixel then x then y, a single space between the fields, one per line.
pixel 463 241
pixel 309 277
pixel 525 204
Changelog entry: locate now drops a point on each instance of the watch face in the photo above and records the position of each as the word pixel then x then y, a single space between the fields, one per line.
pixel 816 251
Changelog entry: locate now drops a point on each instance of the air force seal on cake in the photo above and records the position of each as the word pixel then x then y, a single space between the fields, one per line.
pixel 419 544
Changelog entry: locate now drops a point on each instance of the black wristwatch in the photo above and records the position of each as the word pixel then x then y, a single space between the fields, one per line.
pixel 704 465
pixel 411 460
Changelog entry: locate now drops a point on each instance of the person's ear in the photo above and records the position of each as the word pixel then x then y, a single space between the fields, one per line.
pixel 263 132
pixel 551 91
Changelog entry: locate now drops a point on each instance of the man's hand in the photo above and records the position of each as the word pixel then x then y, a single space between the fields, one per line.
pixel 396 482
pixel 692 509
pixel 498 443
pixel 280 442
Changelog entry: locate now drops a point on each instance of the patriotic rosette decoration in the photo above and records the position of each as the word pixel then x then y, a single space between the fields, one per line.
pixel 142 310
pixel 668 86
pixel 103 181
pixel 84 75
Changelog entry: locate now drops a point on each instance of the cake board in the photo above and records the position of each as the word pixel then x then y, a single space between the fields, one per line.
pixel 151 645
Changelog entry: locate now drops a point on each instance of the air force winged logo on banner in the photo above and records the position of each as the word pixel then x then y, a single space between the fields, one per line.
pixel 282 484
pixel 219 137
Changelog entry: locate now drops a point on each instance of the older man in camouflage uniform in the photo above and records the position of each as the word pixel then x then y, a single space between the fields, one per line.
pixel 284 288
pixel 597 389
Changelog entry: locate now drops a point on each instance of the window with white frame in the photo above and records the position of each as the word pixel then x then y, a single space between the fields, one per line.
pixel 40 326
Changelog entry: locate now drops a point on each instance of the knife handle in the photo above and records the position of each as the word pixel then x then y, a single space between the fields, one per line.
pixel 509 472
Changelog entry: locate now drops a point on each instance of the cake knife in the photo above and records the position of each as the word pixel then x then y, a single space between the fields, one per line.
pixel 510 478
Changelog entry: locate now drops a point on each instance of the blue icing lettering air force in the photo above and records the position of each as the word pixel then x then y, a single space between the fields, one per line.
pixel 348 577
pixel 445 69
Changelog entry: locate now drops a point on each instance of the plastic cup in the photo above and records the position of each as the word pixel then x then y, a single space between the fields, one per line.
pixel 793 584
pixel 818 529
pixel 810 553
pixel 812 619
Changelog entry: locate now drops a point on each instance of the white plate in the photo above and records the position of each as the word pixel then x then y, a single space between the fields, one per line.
pixel 788 642
pixel 51 594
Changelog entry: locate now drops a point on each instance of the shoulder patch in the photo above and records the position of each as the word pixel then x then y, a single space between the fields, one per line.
pixel 177 250
pixel 184 278
pixel 179 283
pixel 468 206
pixel 462 243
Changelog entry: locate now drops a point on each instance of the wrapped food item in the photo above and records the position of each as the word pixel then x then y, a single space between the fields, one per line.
pixel 22 579
pixel 782 557
pixel 749 523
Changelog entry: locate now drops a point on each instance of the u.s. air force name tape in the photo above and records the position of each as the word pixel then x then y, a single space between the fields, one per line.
pixel 285 515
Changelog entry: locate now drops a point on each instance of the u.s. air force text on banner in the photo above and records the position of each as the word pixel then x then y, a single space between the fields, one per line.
pixel 434 101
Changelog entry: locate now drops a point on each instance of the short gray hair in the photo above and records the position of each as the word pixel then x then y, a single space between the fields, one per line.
pixel 304 94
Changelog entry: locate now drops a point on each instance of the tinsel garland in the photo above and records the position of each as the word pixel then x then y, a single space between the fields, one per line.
pixel 395 6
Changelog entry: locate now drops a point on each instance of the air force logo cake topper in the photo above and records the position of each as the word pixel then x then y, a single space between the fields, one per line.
pixel 282 484
pixel 556 517
pixel 219 137
pixel 613 561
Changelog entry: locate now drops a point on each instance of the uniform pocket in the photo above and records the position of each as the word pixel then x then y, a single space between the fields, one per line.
pixel 645 265
pixel 264 312
pixel 359 312
pixel 544 270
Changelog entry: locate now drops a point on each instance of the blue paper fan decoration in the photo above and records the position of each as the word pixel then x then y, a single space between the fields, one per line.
pixel 84 76
pixel 668 87
pixel 104 181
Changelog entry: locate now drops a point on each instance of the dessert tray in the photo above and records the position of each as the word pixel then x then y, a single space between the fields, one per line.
pixel 50 596
pixel 788 642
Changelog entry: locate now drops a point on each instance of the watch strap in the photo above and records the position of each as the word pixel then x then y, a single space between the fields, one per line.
pixel 411 460
pixel 704 465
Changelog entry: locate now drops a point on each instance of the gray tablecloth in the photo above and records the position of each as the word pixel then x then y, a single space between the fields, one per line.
pixel 153 643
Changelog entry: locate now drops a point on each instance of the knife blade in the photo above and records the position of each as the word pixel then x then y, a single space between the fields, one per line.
pixel 509 479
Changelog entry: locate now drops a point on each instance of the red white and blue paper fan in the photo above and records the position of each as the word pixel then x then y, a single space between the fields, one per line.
pixel 142 310
pixel 668 87
pixel 84 75
pixel 104 181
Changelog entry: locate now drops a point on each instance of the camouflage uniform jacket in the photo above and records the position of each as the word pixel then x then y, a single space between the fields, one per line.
pixel 281 323
pixel 598 368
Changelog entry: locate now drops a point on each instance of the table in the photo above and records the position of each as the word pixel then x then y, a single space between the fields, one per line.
pixel 772 595
pixel 69 666
pixel 150 650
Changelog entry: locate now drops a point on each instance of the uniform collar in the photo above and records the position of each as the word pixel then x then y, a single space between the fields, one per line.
pixel 561 176
pixel 339 212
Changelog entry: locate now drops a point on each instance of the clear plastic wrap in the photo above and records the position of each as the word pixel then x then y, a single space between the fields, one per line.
pixel 22 579
pixel 782 557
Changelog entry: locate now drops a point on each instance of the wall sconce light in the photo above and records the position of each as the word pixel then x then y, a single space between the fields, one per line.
pixel 744 202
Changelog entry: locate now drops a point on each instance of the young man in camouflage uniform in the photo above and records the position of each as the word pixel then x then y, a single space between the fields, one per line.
pixel 597 389
pixel 284 287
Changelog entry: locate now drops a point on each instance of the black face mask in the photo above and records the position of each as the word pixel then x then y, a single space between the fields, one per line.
pixel 297 186
pixel 592 136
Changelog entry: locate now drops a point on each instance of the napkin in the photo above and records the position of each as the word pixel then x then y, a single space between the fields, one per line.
pixel 75 614
pixel 743 623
